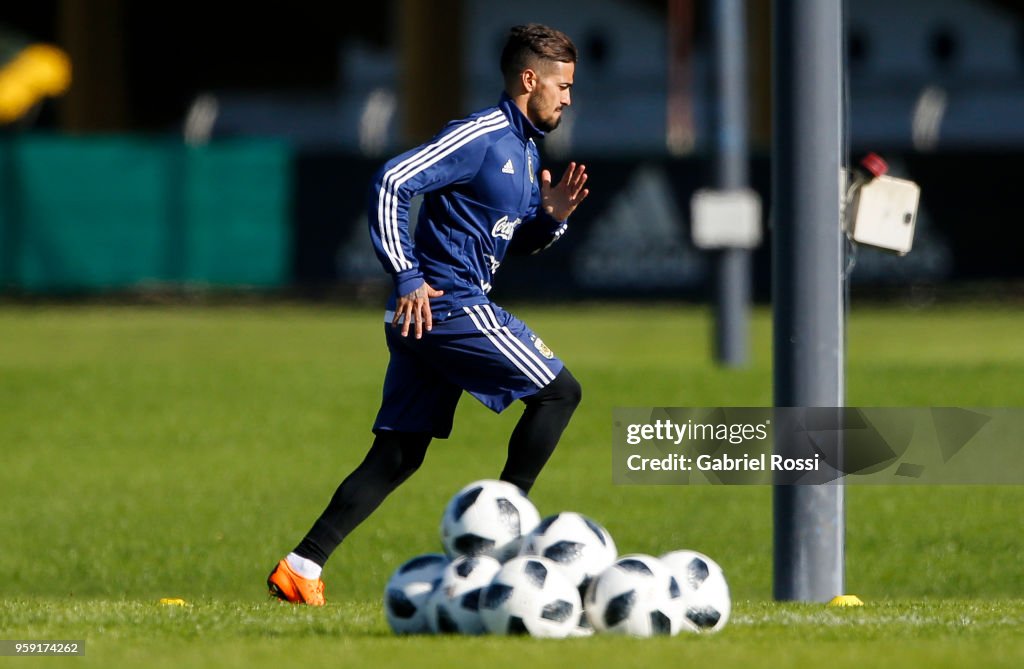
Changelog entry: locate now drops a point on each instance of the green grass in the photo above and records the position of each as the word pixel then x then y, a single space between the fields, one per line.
pixel 242 634
pixel 179 452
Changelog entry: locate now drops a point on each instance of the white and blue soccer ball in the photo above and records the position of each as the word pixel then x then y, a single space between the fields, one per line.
pixel 582 547
pixel 454 607
pixel 530 595
pixel 638 596
pixel 408 590
pixel 579 545
pixel 487 517
pixel 704 588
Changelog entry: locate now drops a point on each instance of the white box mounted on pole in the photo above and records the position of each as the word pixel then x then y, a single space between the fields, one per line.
pixel 882 210
pixel 883 214
pixel 726 218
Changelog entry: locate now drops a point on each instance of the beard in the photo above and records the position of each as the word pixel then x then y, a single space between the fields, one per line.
pixel 543 123
pixel 547 125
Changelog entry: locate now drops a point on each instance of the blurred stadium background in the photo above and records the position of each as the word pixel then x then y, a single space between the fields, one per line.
pixel 162 147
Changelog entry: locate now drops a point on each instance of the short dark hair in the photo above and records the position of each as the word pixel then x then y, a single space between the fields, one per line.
pixel 533 42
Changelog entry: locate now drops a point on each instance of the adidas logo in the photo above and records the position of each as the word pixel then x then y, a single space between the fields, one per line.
pixel 508 169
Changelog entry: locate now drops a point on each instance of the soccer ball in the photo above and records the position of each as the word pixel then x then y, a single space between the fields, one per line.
pixel 705 591
pixel 407 592
pixel 453 608
pixel 530 595
pixel 636 596
pixel 581 547
pixel 487 517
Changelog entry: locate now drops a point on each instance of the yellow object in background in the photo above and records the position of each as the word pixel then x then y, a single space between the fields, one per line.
pixel 48 67
pixel 36 72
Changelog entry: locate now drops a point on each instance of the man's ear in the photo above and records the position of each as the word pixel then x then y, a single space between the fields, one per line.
pixel 529 79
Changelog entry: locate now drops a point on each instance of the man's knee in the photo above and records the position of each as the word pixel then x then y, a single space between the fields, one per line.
pixel 564 390
pixel 402 451
pixel 572 391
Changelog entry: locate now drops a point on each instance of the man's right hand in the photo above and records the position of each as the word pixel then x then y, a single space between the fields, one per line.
pixel 415 307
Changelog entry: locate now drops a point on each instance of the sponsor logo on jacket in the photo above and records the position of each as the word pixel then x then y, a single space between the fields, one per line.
pixel 504 228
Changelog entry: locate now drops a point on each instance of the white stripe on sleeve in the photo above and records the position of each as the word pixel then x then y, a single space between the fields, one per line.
pixel 387 201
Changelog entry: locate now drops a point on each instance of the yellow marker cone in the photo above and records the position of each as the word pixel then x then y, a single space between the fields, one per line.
pixel 173 601
pixel 846 600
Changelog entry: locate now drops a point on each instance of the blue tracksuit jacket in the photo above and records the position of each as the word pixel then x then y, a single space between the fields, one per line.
pixel 481 200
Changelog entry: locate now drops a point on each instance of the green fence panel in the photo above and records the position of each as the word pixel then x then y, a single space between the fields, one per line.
pixel 236 214
pixel 81 214
pixel 8 207
pixel 91 212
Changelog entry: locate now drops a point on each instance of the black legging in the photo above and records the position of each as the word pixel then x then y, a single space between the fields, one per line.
pixel 540 427
pixel 394 456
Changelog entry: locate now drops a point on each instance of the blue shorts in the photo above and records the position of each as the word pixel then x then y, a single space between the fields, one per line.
pixel 484 351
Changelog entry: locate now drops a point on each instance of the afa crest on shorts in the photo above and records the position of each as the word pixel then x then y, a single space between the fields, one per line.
pixel 539 344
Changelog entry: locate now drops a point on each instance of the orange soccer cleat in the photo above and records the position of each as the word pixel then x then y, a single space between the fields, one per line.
pixel 285 584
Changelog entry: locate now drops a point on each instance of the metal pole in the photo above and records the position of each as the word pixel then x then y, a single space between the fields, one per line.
pixel 732 272
pixel 809 520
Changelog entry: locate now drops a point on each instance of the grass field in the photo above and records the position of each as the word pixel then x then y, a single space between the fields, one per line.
pixel 154 452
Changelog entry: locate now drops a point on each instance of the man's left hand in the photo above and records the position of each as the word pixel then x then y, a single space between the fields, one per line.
pixel 562 199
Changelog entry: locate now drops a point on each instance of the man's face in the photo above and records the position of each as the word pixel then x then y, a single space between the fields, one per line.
pixel 550 95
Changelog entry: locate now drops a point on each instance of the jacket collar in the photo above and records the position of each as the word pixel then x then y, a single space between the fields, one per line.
pixel 520 124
